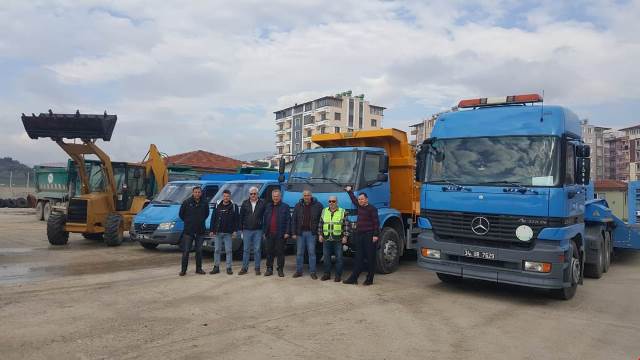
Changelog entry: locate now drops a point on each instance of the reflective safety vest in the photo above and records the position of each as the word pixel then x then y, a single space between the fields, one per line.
pixel 332 222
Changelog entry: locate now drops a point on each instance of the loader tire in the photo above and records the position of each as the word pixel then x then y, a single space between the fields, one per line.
pixel 113 230
pixel 55 229
pixel 39 208
pixel 11 203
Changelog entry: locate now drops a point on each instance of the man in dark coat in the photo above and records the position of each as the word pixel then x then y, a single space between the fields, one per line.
pixel 194 212
pixel 365 237
pixel 251 217
pixel 225 220
pixel 276 223
pixel 304 225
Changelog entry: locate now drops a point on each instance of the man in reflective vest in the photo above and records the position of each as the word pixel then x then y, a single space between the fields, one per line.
pixel 333 230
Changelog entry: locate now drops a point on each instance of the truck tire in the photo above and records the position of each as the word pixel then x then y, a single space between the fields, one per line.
pixel 574 274
pixel 388 253
pixel 608 251
pixel 113 230
pixel 46 211
pixel 595 270
pixel 55 229
pixel 2 204
pixel 11 203
pixel 93 236
pixel 39 209
pixel 21 203
pixel 148 245
pixel 448 278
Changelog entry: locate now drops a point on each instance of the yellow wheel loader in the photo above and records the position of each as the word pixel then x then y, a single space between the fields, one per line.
pixel 113 193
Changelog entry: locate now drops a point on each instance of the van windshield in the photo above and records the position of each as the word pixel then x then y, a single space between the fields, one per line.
pixel 498 161
pixel 174 193
pixel 239 192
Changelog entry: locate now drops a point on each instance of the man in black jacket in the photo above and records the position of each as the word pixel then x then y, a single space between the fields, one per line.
pixel 224 224
pixel 304 226
pixel 276 225
pixel 251 217
pixel 194 212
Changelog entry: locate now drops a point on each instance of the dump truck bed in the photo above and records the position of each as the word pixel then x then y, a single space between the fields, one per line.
pixel 405 194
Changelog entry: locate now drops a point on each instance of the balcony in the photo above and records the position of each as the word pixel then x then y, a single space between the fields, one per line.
pixel 279 121
pixel 280 131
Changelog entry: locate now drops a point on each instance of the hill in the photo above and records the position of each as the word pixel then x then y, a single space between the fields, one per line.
pixel 258 155
pixel 19 170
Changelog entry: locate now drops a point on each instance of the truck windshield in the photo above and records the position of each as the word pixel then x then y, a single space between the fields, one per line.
pixel 498 161
pixel 337 167
pixel 239 192
pixel 174 193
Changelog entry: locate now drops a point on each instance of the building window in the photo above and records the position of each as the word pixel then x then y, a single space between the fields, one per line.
pixel 322 130
pixel 337 116
pixel 375 110
pixel 350 112
pixel 374 123
pixel 308 106
pixel 309 132
pixel 337 129
pixel 298 134
pixel 328 102
pixel 323 116
pixel 308 145
pixel 360 115
pixel 297 109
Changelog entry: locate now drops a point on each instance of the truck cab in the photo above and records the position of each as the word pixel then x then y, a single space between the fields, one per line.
pixel 376 162
pixel 503 194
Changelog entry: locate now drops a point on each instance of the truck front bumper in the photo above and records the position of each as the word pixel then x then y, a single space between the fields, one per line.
pixel 507 267
pixel 158 237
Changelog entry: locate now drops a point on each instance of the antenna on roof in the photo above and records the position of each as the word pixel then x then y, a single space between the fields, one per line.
pixel 542 107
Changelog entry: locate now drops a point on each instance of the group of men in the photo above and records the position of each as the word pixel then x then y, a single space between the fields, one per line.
pixel 272 221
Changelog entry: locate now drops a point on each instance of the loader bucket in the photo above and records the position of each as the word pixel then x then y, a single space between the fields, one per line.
pixel 69 126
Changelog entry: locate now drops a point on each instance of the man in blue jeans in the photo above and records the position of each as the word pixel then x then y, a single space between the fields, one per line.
pixel 224 224
pixel 251 217
pixel 333 230
pixel 304 225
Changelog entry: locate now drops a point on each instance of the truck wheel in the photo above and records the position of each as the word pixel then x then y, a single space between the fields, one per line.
pixel 46 211
pixel 21 203
pixel 149 246
pixel 595 270
pixel 607 253
pixel 93 236
pixel 55 229
pixel 574 274
pixel 448 278
pixel 388 254
pixel 113 230
pixel 2 203
pixel 11 203
pixel 39 208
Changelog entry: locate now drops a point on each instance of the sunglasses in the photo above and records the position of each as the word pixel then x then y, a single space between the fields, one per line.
pixel 332 201
pixel 253 193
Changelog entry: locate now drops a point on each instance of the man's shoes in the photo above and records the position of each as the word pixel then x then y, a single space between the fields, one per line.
pixel 367 282
pixel 325 277
pixel 182 273
pixel 257 271
pixel 242 271
pixel 229 271
pixel 314 276
pixel 280 273
pixel 337 279
pixel 215 270
pixel 200 271
pixel 269 272
pixel 350 281
pixel 295 275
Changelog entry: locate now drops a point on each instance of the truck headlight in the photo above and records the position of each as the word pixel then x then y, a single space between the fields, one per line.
pixel 166 225
pixel 535 266
pixel 430 253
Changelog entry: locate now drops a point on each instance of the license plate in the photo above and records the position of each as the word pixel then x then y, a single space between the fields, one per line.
pixel 479 254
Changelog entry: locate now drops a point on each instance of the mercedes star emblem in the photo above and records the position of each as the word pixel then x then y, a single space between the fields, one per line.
pixel 480 225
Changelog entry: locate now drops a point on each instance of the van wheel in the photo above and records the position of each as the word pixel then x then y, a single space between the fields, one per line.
pixel 388 253
pixel 149 246
pixel 574 274
pixel 113 230
pixel 55 229
pixel 39 208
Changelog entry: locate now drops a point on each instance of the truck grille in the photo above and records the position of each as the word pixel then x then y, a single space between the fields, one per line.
pixel 77 211
pixel 456 227
pixel 142 228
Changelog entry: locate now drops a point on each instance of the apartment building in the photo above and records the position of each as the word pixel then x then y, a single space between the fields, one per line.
pixel 422 130
pixel 594 137
pixel 329 114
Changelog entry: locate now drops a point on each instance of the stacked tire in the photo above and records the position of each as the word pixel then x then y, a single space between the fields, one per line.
pixel 14 203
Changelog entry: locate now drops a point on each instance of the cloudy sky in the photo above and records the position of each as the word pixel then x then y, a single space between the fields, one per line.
pixel 209 74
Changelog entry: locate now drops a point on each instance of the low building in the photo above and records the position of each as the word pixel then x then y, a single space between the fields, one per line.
pixel 615 192
pixel 205 161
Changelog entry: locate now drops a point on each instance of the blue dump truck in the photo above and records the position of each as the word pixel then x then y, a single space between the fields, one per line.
pixel 377 162
pixel 505 198
pixel 239 189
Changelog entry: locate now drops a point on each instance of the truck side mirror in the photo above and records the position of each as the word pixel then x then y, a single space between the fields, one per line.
pixel 583 170
pixel 583 151
pixel 420 157
pixel 384 165
pixel 382 177
pixel 281 165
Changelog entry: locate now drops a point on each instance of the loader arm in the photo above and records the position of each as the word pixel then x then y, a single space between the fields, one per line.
pixel 155 164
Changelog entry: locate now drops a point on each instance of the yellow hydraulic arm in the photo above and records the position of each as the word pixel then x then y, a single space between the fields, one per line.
pixel 155 164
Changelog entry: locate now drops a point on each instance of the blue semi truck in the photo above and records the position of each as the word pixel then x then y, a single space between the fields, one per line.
pixel 377 162
pixel 505 198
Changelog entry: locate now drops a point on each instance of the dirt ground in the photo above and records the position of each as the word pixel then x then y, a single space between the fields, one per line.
pixel 87 301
